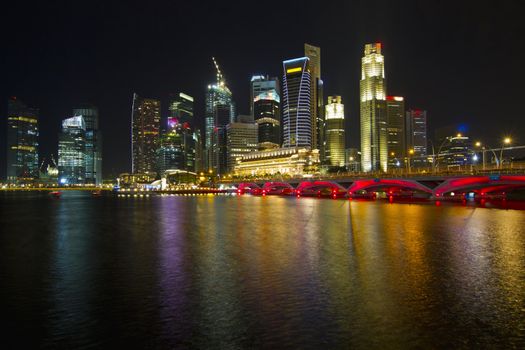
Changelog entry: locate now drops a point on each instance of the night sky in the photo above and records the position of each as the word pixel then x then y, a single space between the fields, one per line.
pixel 460 60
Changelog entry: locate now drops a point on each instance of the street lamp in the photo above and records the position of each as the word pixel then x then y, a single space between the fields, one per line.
pixel 506 141
pixel 410 153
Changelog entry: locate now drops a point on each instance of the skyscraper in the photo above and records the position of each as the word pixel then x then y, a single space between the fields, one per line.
pixel 335 132
pixel 316 89
pixel 219 111
pixel 297 126
pixel 178 144
pixel 261 84
pixel 395 115
pixel 145 125
pixel 22 142
pixel 93 143
pixel 374 148
pixel 416 132
pixel 267 116
pixel 72 152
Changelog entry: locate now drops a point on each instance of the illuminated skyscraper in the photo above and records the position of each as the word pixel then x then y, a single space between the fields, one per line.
pixel 219 111
pixel 145 125
pixel 335 132
pixel 267 116
pixel 22 142
pixel 178 146
pixel 180 109
pixel 317 101
pixel 297 126
pixel 93 143
pixel 395 112
pixel 416 132
pixel 261 84
pixel 374 148
pixel 72 152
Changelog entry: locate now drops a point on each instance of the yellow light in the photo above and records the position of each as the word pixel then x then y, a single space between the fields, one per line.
pixel 392 154
pixel 507 140
pixel 294 70
pixel 459 135
pixel 478 144
pixel 411 151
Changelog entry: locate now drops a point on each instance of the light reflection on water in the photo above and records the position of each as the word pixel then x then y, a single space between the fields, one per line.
pixel 236 272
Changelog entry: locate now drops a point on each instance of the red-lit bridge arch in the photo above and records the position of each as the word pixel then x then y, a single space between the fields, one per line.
pixel 479 184
pixel 246 187
pixel 388 185
pixel 274 187
pixel 320 189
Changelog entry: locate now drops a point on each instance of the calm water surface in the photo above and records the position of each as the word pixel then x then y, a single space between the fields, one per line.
pixel 252 272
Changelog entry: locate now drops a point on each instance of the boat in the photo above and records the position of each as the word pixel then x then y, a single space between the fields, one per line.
pixel 96 193
pixel 55 194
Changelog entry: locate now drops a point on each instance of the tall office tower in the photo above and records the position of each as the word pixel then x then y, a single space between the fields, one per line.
pixel 199 154
pixel 180 122
pixel 317 101
pixel 395 122
pixel 219 111
pixel 416 131
pixel 72 152
pixel 241 140
pixel 93 143
pixel 335 132
pixel 22 142
pixel 374 148
pixel 145 125
pixel 180 109
pixel 297 116
pixel 267 115
pixel 260 84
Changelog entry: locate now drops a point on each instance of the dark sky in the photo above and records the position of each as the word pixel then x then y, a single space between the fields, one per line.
pixel 460 60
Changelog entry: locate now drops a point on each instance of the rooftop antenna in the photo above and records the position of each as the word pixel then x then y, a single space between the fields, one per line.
pixel 220 79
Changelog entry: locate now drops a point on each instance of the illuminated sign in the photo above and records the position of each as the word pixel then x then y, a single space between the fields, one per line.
pixel 294 70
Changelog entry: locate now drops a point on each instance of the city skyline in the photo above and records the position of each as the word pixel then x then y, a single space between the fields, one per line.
pixel 407 76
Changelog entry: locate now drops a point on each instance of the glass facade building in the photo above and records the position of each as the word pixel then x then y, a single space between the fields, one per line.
pixel 395 116
pixel 260 84
pixel 145 125
pixel 297 126
pixel 93 143
pixel 335 132
pixel 22 142
pixel 178 143
pixel 72 152
pixel 374 147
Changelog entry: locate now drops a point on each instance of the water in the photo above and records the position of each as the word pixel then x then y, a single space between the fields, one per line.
pixel 252 272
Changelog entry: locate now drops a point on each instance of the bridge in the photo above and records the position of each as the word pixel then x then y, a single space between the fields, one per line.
pixel 424 186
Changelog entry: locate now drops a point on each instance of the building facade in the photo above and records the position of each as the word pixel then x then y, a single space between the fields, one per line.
pixel 374 148
pixel 282 161
pixel 396 138
pixel 456 152
pixel 317 99
pixel 335 132
pixel 93 143
pixel 296 112
pixel 72 152
pixel 145 131
pixel 241 140
pixel 22 142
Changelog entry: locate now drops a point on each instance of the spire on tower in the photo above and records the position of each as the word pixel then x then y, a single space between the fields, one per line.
pixel 220 78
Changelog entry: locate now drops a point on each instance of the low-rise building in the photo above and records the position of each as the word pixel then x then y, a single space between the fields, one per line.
pixel 285 161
